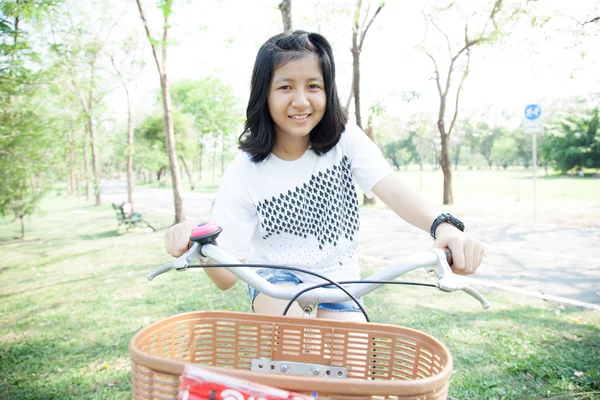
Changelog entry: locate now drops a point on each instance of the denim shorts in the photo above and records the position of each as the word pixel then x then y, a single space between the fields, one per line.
pixel 278 276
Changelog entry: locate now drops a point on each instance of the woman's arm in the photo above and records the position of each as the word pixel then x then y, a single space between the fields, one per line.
pixel 467 252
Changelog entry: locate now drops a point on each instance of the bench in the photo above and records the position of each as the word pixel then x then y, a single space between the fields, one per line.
pixel 129 219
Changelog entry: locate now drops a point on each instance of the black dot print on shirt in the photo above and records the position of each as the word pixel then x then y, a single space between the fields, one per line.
pixel 325 207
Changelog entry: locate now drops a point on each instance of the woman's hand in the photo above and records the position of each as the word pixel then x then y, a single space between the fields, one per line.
pixel 177 238
pixel 467 252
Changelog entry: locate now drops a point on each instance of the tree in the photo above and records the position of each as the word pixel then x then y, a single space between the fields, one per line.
pixel 575 143
pixel 79 49
pixel 28 147
pixel 359 33
pixel 166 7
pixel 504 151
pixel 454 65
pixel 151 133
pixel 127 69
pixel 286 14
pixel 214 109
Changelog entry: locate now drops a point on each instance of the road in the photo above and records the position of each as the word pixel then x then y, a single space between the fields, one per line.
pixel 558 263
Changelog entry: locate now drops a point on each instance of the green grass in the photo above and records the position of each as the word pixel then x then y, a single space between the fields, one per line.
pixel 74 292
pixel 507 196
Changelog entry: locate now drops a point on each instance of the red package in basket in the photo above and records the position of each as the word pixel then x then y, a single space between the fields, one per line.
pixel 198 383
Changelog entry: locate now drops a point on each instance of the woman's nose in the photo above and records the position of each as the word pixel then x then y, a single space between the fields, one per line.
pixel 300 100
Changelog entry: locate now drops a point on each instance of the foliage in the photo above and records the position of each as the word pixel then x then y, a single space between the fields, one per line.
pixel 402 152
pixel 504 151
pixel 28 147
pixel 404 143
pixel 151 152
pixel 212 105
pixel 481 139
pixel 574 143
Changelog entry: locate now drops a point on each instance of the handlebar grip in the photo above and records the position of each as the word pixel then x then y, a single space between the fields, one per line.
pixel 160 270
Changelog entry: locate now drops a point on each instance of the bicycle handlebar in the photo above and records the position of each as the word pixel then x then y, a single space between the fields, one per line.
pixel 432 261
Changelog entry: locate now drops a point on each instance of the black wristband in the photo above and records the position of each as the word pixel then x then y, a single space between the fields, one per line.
pixel 446 217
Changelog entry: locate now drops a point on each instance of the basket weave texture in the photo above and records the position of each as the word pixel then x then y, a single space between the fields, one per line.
pixel 382 361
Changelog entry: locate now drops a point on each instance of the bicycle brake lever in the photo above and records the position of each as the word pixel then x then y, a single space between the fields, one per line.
pixel 180 263
pixel 447 280
pixel 450 284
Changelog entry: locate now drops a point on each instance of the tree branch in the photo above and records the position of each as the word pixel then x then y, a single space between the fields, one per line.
pixel 364 33
pixel 458 91
pixel 149 34
pixel 164 42
pixel 366 13
pixel 591 21
pixel 495 10
pixel 351 96
pixel 445 35
pixel 436 72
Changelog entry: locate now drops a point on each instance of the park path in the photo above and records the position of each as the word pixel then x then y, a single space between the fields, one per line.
pixel 559 263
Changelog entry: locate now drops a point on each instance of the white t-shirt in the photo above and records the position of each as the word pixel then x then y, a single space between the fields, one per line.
pixel 302 213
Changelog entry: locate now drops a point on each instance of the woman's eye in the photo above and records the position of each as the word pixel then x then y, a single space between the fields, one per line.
pixel 314 87
pixel 285 87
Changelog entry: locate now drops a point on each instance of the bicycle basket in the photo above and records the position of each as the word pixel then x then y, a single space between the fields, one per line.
pixel 380 361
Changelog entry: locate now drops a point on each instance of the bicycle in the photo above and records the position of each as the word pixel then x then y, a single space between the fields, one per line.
pixel 334 359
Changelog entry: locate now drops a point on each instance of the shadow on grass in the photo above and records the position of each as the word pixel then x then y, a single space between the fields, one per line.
pixel 557 177
pixel 57 368
pixel 102 235
pixel 33 289
pixel 18 240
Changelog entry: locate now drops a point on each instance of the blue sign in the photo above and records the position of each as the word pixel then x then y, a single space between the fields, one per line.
pixel 533 112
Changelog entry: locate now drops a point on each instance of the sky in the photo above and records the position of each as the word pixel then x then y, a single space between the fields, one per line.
pixel 220 38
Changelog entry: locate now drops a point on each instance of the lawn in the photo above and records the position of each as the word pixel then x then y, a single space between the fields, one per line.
pixel 74 292
pixel 509 195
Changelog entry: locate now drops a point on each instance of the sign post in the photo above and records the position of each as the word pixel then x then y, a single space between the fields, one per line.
pixel 533 124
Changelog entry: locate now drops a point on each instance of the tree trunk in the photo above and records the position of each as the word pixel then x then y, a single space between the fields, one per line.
pixel 201 152
pixel 70 174
pixel 222 156
pixel 371 134
pixel 446 169
pixel 22 218
pixel 189 173
pixel 77 185
pixel 214 162
pixel 286 14
pixel 130 174
pixel 161 66
pixel 95 161
pixel 86 171
pixel 171 151
pixel 356 83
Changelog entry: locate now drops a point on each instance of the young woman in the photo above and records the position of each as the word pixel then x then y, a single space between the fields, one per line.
pixel 289 197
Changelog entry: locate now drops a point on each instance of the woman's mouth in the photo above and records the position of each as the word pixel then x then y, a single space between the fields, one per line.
pixel 299 117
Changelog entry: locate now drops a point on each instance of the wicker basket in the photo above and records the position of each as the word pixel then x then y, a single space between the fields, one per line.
pixel 382 361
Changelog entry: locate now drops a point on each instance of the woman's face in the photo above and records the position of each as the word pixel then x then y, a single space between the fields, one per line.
pixel 297 98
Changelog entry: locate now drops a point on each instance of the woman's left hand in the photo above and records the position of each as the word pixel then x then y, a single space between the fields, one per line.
pixel 467 252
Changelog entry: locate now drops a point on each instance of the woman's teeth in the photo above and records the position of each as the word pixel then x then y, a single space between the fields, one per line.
pixel 303 116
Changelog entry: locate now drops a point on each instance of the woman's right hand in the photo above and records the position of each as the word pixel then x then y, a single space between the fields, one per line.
pixel 177 238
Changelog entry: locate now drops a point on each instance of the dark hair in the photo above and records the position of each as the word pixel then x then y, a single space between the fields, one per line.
pixel 258 137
